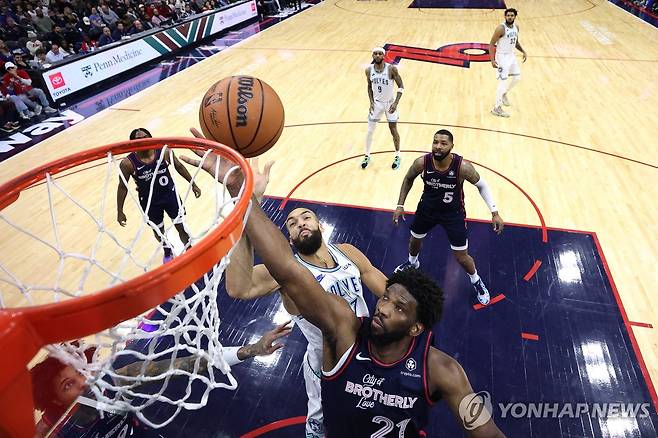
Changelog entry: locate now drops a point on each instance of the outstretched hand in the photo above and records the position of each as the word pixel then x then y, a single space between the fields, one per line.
pixel 261 179
pixel 266 345
pixel 498 223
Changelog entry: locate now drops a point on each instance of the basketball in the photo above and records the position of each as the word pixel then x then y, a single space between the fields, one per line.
pixel 244 113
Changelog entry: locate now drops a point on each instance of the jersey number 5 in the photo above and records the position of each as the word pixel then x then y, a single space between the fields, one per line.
pixel 388 426
pixel 447 197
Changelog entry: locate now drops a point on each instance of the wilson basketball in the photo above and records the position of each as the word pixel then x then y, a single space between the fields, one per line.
pixel 244 113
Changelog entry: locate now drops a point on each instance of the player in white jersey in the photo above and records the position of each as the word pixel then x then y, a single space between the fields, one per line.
pixel 339 268
pixel 382 79
pixel 501 48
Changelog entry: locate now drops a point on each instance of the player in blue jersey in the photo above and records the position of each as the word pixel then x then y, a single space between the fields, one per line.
pixel 56 386
pixel 142 165
pixel 442 203
pixel 380 374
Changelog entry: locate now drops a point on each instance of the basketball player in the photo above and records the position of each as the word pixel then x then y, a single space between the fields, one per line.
pixel 503 42
pixel 339 268
pixel 442 203
pixel 379 374
pixel 142 165
pixel 56 386
pixel 382 79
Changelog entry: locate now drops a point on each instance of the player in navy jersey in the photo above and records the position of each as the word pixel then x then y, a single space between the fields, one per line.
pixel 142 165
pixel 442 203
pixel 381 374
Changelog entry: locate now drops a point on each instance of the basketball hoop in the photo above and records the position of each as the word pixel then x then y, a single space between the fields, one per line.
pixel 75 313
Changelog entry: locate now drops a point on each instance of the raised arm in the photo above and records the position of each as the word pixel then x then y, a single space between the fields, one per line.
pixel 468 172
pixel 332 314
pixel 498 33
pixel 372 277
pixel 415 169
pixel 244 280
pixel 126 168
pixel 447 380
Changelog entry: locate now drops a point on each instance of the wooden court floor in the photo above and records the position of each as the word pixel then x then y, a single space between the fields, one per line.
pixel 580 143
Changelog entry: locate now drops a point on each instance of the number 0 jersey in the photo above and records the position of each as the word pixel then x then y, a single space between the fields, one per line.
pixel 163 185
pixel 362 397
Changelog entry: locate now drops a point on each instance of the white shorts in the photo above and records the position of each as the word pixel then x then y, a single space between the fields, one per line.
pixel 507 65
pixel 380 108
pixel 314 417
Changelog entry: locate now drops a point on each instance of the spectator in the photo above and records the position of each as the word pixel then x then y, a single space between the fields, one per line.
pixel 18 83
pixel 39 60
pixel 56 36
pixel 8 115
pixel 120 32
pixel 19 60
pixel 42 23
pixel 33 44
pixel 187 12
pixel 57 17
pixel 109 16
pixel 88 45
pixel 14 32
pixel 54 55
pixel 158 20
pixel 164 10
pixel 5 13
pixel 96 19
pixel 137 27
pixel 106 37
pixel 5 54
pixel 71 17
pixel 66 49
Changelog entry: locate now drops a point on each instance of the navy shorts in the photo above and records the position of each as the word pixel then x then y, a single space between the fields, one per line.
pixel 158 207
pixel 455 226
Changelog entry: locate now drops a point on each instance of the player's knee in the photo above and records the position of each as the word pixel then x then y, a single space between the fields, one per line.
pixel 372 125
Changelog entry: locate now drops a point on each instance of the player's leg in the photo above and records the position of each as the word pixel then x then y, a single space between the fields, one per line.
pixel 314 417
pixel 392 119
pixel 419 228
pixel 501 89
pixel 513 79
pixel 176 212
pixel 155 214
pixel 373 118
pixel 458 238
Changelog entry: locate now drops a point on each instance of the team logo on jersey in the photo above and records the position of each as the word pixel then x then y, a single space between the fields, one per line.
pixel 319 277
pixel 451 173
pixel 411 364
pixel 457 55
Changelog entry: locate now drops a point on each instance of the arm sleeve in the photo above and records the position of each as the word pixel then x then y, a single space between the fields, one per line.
pixel 486 194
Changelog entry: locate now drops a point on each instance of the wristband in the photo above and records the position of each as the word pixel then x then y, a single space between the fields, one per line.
pixel 400 206
pixel 400 90
pixel 230 355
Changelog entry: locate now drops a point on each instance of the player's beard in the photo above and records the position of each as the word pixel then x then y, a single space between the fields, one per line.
pixel 310 244
pixel 509 23
pixel 439 157
pixel 386 337
pixel 378 62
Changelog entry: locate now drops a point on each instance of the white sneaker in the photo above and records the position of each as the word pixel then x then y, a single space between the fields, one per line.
pixel 505 100
pixel 25 115
pixel 499 112
pixel 50 110
pixel 38 109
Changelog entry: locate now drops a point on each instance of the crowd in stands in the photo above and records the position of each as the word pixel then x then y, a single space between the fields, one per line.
pixel 34 34
pixel 647 5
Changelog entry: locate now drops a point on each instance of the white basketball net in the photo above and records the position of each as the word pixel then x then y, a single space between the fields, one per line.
pixel 171 355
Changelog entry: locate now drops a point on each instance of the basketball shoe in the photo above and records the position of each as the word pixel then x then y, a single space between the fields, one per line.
pixel 407 265
pixel 498 111
pixel 365 162
pixel 505 100
pixel 396 162
pixel 482 292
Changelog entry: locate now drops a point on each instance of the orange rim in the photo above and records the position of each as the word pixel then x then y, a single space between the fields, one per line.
pixel 24 330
